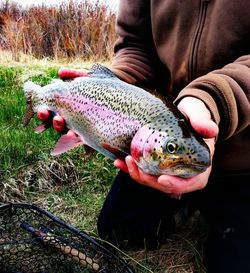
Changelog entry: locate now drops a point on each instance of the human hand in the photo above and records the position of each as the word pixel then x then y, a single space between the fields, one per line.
pixel 70 74
pixel 45 116
pixel 200 119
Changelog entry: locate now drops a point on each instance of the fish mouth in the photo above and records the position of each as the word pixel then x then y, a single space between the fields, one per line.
pixel 189 166
pixel 184 170
pixel 179 169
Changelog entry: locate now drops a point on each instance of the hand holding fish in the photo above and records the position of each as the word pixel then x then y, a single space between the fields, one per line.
pixel 45 115
pixel 70 74
pixel 200 119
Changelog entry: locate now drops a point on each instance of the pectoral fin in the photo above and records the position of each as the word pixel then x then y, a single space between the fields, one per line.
pixel 115 151
pixel 42 127
pixel 66 143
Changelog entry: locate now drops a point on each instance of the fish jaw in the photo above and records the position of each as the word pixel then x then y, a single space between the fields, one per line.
pixel 180 170
pixel 183 169
pixel 152 152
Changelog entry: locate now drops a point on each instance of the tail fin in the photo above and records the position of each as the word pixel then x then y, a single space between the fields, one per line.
pixel 29 88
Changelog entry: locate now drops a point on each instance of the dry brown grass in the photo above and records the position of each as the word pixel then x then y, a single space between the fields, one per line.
pixel 182 253
pixel 33 181
pixel 69 30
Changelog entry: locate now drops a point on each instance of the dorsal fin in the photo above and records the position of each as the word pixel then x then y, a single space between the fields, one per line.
pixel 101 71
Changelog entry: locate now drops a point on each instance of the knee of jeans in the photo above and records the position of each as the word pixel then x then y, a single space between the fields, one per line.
pixel 103 226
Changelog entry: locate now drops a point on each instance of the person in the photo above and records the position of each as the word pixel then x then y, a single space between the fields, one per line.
pixel 196 52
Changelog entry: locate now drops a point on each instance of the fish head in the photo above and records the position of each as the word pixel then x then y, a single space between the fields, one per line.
pixel 157 152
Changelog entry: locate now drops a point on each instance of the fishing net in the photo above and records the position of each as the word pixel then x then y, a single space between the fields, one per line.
pixel 35 241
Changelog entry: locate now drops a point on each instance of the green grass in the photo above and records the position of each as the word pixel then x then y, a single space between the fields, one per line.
pixel 25 156
pixel 18 146
pixel 64 185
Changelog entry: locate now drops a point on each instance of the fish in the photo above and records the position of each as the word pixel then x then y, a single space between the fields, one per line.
pixel 116 119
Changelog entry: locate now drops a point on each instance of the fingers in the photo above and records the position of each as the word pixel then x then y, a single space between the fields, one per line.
pixel 59 124
pixel 178 185
pixel 143 178
pixel 165 183
pixel 129 166
pixel 120 164
pixel 43 115
pixel 206 128
pixel 66 73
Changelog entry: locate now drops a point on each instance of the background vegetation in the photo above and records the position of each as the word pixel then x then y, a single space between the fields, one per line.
pixel 34 43
pixel 70 30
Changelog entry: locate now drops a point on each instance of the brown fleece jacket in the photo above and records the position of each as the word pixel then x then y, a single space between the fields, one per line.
pixel 193 48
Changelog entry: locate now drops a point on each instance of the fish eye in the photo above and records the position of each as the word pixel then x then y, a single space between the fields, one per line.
pixel 171 147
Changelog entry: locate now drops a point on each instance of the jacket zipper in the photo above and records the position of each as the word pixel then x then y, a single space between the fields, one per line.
pixel 196 40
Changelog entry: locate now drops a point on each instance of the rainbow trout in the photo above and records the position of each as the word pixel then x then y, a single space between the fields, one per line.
pixel 117 119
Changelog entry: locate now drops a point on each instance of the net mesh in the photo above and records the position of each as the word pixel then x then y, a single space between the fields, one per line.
pixel 35 241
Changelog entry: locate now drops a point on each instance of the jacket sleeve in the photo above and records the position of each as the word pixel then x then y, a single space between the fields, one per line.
pixel 135 60
pixel 226 93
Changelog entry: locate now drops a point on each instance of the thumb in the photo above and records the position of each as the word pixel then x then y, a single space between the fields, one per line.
pixel 199 117
pixel 206 128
